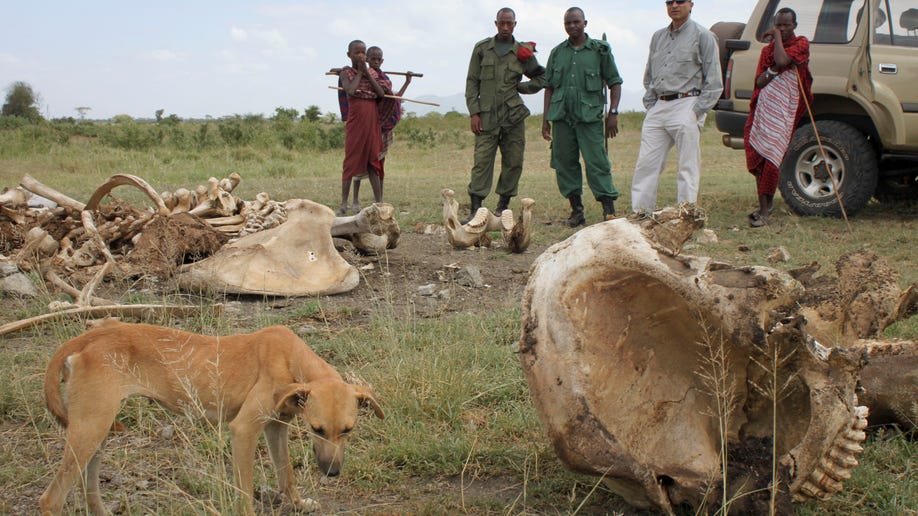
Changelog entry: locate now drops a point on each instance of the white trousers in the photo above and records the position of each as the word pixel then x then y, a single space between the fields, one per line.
pixel 668 123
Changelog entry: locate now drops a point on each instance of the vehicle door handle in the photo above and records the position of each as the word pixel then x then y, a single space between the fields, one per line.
pixel 890 68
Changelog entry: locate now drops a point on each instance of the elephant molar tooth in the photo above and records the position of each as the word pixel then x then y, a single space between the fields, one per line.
pixel 843 457
pixel 835 470
pixel 827 484
pixel 855 435
pixel 506 220
pixel 810 490
pixel 850 446
pixel 479 223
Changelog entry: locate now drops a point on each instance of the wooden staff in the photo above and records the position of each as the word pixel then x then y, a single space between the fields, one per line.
pixel 395 97
pixel 337 71
pixel 822 150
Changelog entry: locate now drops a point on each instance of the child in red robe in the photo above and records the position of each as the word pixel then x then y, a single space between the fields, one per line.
pixel 362 134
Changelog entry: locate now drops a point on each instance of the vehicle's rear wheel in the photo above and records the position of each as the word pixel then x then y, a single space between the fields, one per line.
pixel 807 183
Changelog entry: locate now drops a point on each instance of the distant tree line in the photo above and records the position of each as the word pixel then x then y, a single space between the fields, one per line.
pixel 287 128
pixel 24 130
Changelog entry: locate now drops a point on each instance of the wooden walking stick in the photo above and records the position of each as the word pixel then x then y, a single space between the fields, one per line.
pixel 825 158
pixel 337 71
pixel 395 97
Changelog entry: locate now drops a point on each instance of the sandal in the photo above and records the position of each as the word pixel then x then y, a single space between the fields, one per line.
pixel 756 220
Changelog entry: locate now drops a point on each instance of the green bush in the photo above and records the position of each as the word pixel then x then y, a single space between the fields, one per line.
pixel 131 135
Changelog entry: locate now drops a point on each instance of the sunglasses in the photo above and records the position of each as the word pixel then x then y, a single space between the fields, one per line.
pixel 677 2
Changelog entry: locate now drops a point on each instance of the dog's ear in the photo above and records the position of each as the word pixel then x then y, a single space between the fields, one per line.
pixel 366 397
pixel 291 399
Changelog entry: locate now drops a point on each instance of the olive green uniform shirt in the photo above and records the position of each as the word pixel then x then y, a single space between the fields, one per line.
pixel 494 83
pixel 576 76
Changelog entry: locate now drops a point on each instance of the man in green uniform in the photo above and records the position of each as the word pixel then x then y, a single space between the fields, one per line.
pixel 492 93
pixel 573 115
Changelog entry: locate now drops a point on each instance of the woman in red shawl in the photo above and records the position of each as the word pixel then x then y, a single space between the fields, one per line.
pixel 776 107
pixel 362 136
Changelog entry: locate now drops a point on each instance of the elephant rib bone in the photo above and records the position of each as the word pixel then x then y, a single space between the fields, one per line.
pixel 126 180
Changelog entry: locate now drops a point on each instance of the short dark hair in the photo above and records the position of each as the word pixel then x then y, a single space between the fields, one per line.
pixel 575 9
pixel 352 43
pixel 505 10
pixel 787 10
pixel 374 47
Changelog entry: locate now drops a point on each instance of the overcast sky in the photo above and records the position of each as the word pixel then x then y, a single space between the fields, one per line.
pixel 217 58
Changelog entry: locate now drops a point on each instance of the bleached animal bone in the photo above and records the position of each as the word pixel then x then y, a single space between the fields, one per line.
pixel 516 235
pixel 461 236
pixel 376 218
pixel 518 238
pixel 33 185
pixel 619 335
pixel 15 197
pixel 372 230
pixel 296 258
pixel 215 200
pixel 128 180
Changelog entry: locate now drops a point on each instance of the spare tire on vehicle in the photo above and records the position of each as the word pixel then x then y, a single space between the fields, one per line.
pixel 725 31
pixel 806 183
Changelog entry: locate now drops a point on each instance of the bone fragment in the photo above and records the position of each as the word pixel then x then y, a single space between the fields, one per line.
pixel 15 198
pixel 66 288
pixel 33 185
pixel 138 311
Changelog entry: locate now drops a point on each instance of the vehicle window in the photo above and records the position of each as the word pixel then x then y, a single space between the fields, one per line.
pixel 896 23
pixel 826 21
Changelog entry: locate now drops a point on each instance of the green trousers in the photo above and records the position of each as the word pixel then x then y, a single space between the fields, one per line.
pixel 568 143
pixel 512 143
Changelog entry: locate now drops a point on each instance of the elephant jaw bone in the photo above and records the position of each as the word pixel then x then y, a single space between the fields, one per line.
pixel 518 238
pixel 614 329
pixel 819 451
pixel 296 258
pixel 461 235
pixel 516 235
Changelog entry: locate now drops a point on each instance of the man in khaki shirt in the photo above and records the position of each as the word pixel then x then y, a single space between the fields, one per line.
pixel 682 81
pixel 492 93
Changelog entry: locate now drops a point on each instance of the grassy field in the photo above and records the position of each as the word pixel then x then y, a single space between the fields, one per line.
pixel 461 434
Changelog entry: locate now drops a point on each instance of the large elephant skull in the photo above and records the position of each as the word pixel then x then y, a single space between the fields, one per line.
pixel 647 367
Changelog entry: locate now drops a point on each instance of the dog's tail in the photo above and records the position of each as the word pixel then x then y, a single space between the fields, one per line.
pixel 58 372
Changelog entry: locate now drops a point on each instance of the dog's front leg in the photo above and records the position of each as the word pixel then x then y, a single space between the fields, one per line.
pixel 276 436
pixel 244 434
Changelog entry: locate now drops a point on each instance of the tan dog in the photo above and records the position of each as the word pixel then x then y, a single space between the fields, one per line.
pixel 257 382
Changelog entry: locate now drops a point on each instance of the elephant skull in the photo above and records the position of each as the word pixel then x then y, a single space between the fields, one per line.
pixel 647 368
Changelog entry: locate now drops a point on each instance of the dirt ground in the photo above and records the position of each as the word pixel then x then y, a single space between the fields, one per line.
pixel 425 276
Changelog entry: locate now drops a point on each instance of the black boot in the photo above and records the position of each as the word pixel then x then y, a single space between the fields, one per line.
pixel 503 203
pixel 475 204
pixel 608 209
pixel 576 218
